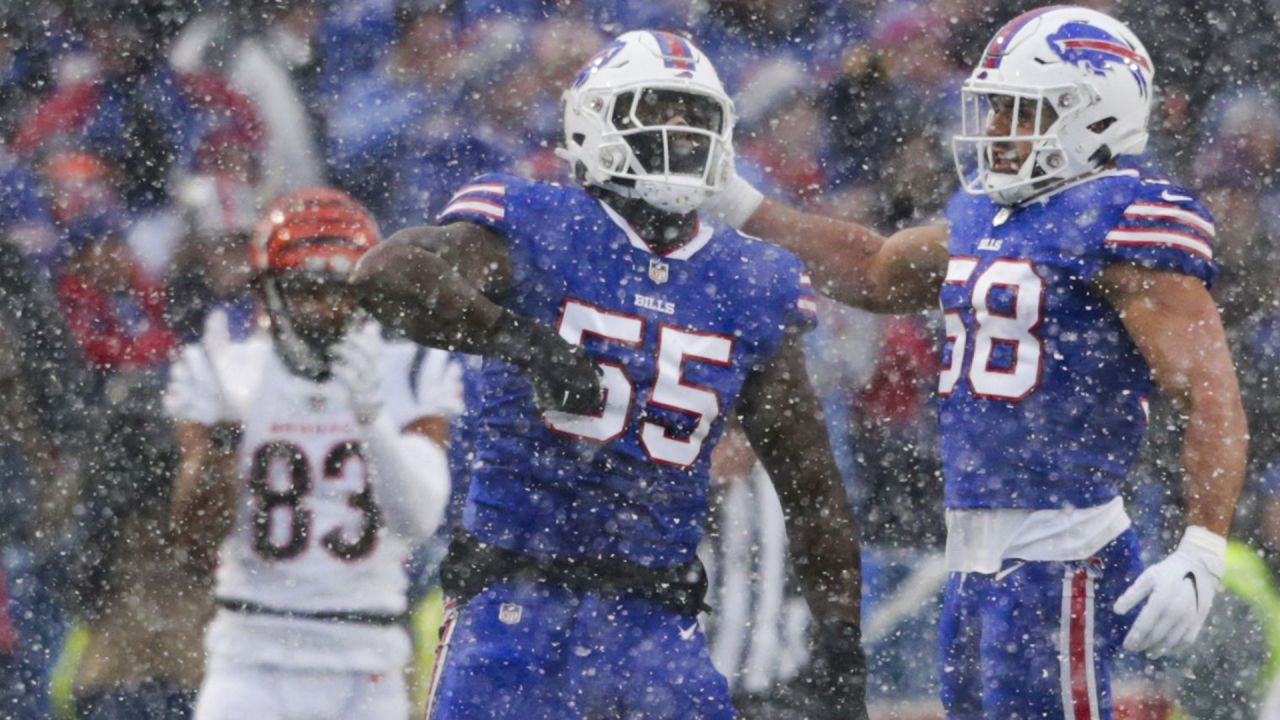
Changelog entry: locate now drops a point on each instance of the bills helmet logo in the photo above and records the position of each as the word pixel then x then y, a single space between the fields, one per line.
pixel 1098 51
pixel 597 61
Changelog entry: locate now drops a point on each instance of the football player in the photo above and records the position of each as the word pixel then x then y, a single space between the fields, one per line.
pixel 620 332
pixel 312 460
pixel 1067 283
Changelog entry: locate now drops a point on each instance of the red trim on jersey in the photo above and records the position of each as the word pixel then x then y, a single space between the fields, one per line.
pixel 476 205
pixel 1176 240
pixel 1080 647
pixel 451 613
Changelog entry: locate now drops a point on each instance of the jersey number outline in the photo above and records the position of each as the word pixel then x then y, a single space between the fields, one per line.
pixel 1016 331
pixel 671 391
pixel 269 501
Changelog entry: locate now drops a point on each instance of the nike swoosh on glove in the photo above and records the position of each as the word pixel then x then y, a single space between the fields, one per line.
pixel 1179 591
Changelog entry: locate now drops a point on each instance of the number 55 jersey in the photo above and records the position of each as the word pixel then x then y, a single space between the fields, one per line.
pixel 675 337
pixel 309 575
pixel 1043 393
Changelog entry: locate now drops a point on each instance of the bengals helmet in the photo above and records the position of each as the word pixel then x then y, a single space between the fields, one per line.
pixel 303 250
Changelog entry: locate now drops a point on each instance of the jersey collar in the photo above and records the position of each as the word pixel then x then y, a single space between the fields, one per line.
pixel 700 238
pixel 1113 172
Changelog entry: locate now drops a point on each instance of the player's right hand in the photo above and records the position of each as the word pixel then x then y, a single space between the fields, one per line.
pixel 564 377
pixel 834 684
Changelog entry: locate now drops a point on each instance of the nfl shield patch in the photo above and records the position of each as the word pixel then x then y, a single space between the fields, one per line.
pixel 659 271
pixel 510 613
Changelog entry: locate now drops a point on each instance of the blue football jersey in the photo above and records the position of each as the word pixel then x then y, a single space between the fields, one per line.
pixel 1042 392
pixel 675 336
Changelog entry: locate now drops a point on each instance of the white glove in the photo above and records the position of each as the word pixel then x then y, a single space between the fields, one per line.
pixel 736 202
pixel 196 390
pixel 1179 591
pixel 358 369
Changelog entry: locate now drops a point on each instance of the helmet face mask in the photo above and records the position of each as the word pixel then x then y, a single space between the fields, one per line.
pixel 647 118
pixel 1081 79
pixel 320 308
pixel 1008 146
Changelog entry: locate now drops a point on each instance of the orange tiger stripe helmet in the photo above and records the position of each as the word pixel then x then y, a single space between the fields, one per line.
pixel 321 231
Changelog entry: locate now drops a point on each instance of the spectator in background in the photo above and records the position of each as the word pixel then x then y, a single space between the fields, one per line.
pixel 883 100
pixel 113 309
pixel 44 425
pixel 741 33
pixel 402 114
pixel 509 83
pixel 131 109
pixel 266 51
pixel 211 270
pixel 778 117
pixel 28 34
pixel 143 603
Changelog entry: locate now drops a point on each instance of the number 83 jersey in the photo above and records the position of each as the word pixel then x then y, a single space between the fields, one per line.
pixel 308 536
pixel 675 337
pixel 1042 393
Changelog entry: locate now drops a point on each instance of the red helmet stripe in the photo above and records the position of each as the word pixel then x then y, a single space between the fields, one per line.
pixel 995 49
pixel 1113 48
pixel 676 53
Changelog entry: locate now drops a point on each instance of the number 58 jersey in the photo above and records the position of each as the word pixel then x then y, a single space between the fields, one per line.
pixel 1043 393
pixel 308 537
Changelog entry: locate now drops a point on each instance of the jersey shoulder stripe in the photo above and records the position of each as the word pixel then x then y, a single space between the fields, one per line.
pixel 807 302
pixel 486 200
pixel 1167 238
pixel 1163 220
pixel 1171 213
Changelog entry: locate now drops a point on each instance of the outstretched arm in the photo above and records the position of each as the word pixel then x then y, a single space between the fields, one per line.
pixel 783 420
pixel 439 285
pixel 849 262
pixel 854 264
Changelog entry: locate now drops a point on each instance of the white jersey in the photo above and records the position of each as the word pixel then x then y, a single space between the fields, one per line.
pixel 307 536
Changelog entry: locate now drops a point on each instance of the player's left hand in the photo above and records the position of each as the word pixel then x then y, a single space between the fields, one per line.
pixel 358 369
pixel 834 685
pixel 1179 591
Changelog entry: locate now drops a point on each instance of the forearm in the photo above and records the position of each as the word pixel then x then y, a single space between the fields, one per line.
pixel 838 254
pixel 419 292
pixel 1214 452
pixel 825 553
pixel 783 420
pixel 203 504
pixel 1176 326
pixel 412 478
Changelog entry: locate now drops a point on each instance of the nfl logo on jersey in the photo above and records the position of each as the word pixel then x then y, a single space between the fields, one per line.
pixel 659 271
pixel 510 613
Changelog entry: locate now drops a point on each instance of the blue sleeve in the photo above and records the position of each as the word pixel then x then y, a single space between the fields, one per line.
pixel 499 202
pixel 486 200
pixel 1165 230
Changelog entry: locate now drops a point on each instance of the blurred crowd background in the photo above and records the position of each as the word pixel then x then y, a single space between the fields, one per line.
pixel 139 140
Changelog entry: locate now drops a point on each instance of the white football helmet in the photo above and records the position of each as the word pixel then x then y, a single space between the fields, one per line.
pixel 648 118
pixel 1085 67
